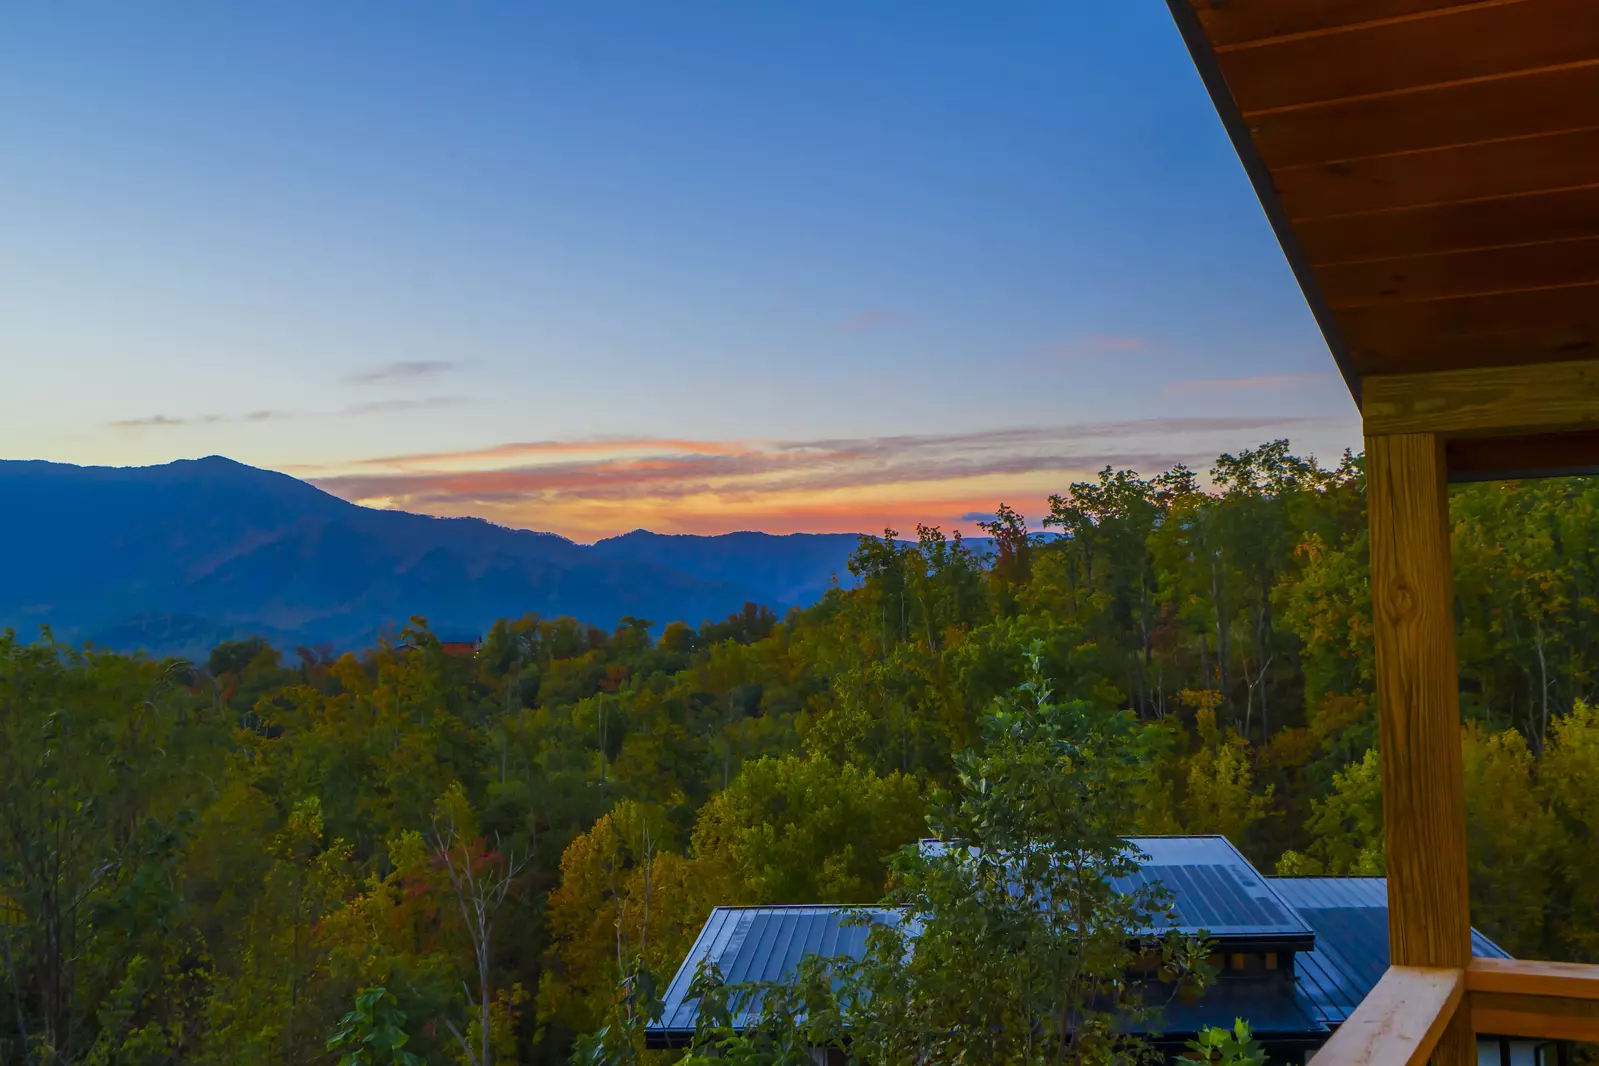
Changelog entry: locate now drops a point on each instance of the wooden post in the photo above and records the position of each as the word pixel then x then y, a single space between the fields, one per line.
pixel 1424 805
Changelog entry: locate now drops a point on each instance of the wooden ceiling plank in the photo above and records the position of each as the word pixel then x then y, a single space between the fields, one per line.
pixel 1543 102
pixel 1457 227
pixel 1232 22
pixel 1431 277
pixel 1545 325
pixel 1448 175
pixel 1472 42
pixel 1484 401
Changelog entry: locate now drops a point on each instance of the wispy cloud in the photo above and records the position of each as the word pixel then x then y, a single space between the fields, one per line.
pixel 870 319
pixel 536 448
pixel 151 421
pixel 600 486
pixel 1249 384
pixel 171 422
pixel 427 403
pixel 402 370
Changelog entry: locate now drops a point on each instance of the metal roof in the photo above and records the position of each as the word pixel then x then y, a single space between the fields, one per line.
pixel 764 944
pixel 1350 918
pixel 1215 890
pixel 753 944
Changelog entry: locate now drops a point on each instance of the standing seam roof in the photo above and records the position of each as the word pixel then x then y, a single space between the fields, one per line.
pixel 1350 917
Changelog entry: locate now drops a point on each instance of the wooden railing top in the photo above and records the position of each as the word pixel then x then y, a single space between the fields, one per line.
pixel 1540 1000
pixel 1400 1020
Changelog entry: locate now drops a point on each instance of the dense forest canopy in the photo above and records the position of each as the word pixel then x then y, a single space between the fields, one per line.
pixel 206 862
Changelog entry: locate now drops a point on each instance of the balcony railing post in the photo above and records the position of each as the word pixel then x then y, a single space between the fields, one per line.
pixel 1424 811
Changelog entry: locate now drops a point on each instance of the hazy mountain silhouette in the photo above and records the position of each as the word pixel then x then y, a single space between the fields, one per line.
pixel 174 557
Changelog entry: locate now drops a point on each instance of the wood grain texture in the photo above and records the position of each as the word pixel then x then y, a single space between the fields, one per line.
pixel 1484 400
pixel 1447 175
pixel 1456 227
pixel 1549 1017
pixel 1424 809
pixel 1394 55
pixel 1400 1022
pixel 1542 102
pixel 1536 326
pixel 1528 977
pixel 1232 22
pixel 1515 997
pixel 1456 274
pixel 1457 1045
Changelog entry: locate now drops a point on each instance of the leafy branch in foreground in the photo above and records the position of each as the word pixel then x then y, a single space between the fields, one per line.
pixel 1228 1047
pixel 373 1034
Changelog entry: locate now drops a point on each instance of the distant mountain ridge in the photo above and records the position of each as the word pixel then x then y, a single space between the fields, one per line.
pixel 173 557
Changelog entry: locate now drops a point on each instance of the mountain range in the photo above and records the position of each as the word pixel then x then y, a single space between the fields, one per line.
pixel 173 558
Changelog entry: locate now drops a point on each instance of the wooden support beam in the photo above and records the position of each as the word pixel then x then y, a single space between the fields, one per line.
pixel 1545 1017
pixel 1400 1022
pixel 1552 1000
pixel 1527 977
pixel 1485 401
pixel 1424 809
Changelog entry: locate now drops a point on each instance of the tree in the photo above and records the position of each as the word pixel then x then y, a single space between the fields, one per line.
pixel 626 905
pixel 480 880
pixel 1023 941
pixel 1221 796
pixel 796 830
pixel 1513 842
pixel 373 1034
pixel 1569 784
pixel 1346 827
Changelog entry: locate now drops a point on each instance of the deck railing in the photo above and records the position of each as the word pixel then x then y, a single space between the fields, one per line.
pixel 1401 1020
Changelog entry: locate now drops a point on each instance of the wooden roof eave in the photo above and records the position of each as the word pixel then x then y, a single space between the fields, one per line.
pixel 1260 178
pixel 1431 171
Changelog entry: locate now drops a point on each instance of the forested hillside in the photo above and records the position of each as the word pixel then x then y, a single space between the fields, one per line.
pixel 204 862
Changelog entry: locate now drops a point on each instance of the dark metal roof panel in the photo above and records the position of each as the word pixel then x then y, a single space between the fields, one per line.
pixel 1350 917
pixel 1215 889
pixel 753 944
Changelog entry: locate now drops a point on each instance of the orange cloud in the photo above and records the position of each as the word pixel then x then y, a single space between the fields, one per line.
pixel 526 449
pixel 592 488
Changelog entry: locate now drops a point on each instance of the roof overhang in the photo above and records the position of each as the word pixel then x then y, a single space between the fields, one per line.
pixel 1431 170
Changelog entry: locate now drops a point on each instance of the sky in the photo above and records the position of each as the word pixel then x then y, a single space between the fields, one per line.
pixel 588 266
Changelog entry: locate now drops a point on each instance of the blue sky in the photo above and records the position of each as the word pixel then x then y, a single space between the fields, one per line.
pixel 589 266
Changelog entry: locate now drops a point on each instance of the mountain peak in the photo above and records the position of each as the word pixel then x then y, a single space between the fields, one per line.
pixel 169 556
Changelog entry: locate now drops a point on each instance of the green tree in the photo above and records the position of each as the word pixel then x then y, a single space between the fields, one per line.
pixel 1023 942
pixel 797 830
pixel 373 1034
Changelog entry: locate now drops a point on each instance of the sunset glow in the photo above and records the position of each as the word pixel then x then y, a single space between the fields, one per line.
pixel 592 488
